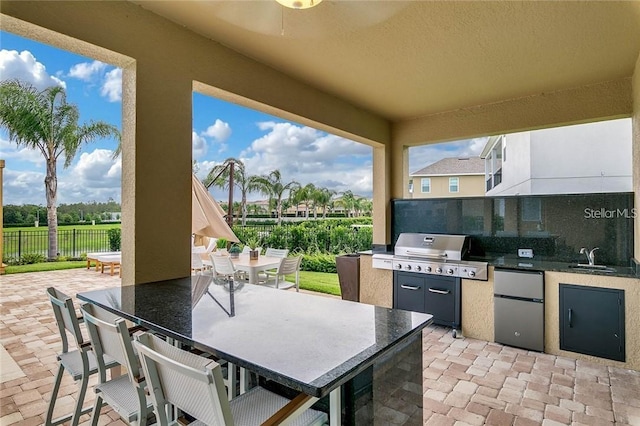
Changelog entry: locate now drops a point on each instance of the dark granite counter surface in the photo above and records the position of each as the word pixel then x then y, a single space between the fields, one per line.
pixel 309 343
pixel 541 264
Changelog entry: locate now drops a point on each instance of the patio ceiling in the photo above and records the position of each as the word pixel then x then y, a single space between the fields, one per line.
pixel 403 60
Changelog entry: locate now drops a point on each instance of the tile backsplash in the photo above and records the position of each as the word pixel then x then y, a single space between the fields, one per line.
pixel 554 226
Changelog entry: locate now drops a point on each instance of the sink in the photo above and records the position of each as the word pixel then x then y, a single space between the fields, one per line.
pixel 592 268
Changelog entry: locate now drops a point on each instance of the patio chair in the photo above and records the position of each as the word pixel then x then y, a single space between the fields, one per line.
pixel 197 266
pixel 277 252
pixel 223 267
pixel 194 385
pixel 288 266
pixel 80 363
pixel 273 252
pixel 125 394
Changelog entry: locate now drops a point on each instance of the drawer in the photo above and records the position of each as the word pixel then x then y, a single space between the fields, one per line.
pixel 409 292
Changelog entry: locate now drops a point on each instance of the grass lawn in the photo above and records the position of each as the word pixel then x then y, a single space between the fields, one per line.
pixel 320 282
pixel 45 266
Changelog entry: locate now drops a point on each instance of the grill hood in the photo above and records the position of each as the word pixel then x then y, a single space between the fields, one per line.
pixel 441 247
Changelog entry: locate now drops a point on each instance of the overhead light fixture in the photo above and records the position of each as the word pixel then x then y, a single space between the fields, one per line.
pixel 299 4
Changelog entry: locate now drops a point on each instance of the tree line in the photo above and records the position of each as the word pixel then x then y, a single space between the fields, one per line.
pixel 282 195
pixel 29 214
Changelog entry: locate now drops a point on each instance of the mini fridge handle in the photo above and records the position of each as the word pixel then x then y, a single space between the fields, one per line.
pixel 570 314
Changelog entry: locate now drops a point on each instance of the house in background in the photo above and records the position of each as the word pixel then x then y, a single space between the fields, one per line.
pixel 561 160
pixel 449 177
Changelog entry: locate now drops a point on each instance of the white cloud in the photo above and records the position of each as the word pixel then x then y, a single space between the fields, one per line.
pixel 86 71
pixel 307 155
pixel 23 187
pixel 24 66
pixel 97 169
pixel 96 176
pixel 11 151
pixel 199 145
pixel 112 86
pixel 220 131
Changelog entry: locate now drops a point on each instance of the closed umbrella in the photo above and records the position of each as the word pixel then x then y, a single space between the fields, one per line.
pixel 207 217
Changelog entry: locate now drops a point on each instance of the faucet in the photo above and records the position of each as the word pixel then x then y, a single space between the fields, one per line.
pixel 590 255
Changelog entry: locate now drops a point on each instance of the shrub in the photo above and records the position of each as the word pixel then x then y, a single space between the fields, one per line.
pixel 31 258
pixel 319 263
pixel 10 261
pixel 114 239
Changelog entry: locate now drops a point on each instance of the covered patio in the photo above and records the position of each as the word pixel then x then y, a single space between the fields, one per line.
pixel 467 381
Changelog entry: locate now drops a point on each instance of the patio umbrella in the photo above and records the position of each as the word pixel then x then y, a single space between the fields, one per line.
pixel 207 217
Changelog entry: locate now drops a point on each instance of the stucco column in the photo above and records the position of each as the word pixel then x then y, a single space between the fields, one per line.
pixel 381 194
pixel 156 173
pixel 635 141
pixel 1 216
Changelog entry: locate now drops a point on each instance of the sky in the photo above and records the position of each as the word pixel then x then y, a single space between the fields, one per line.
pixel 220 130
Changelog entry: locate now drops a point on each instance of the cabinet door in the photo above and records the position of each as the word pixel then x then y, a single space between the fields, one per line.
pixel 408 292
pixel 592 321
pixel 442 300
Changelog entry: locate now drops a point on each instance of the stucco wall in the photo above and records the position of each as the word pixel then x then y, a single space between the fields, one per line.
pixel 468 186
pixel 376 285
pixel 477 308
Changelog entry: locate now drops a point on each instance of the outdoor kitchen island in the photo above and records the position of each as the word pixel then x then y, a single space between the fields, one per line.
pixel 363 360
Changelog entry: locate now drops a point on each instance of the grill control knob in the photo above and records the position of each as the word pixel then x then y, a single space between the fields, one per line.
pixel 398 266
pixel 428 269
pixel 408 267
pixel 472 274
pixel 438 270
pixel 450 271
pixel 418 268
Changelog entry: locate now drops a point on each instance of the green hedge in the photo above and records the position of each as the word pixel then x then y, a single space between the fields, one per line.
pixel 320 241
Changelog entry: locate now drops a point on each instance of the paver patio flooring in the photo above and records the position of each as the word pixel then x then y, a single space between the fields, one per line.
pixel 466 381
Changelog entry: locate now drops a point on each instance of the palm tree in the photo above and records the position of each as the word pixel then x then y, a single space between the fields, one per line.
pixel 272 186
pixel 304 195
pixel 241 181
pixel 43 120
pixel 348 202
pixel 322 199
pixel 366 206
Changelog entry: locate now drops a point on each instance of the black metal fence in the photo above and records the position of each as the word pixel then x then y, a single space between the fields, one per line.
pixel 71 242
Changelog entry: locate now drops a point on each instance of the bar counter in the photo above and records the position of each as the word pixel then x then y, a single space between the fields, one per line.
pixel 307 343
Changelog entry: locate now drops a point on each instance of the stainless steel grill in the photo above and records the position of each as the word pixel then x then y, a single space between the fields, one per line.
pixel 436 254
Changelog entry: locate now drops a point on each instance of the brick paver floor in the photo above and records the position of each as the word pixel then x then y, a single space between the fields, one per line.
pixel 466 381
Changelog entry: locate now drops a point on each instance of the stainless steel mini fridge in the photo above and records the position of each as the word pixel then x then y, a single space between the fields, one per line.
pixel 519 308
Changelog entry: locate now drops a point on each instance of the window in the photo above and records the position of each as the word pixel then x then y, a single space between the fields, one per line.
pixel 425 185
pixel 453 184
pixel 531 210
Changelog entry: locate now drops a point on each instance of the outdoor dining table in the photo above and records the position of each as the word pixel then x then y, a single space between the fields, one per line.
pixel 357 359
pixel 251 266
pixel 254 266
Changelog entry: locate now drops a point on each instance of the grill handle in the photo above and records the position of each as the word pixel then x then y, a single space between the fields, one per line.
pixel 409 287
pixel 434 256
pixel 438 291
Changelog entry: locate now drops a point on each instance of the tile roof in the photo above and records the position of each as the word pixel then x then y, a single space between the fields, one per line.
pixel 453 166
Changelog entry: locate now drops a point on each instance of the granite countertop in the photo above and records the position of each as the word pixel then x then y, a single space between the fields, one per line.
pixel 309 343
pixel 514 262
pixel 540 264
